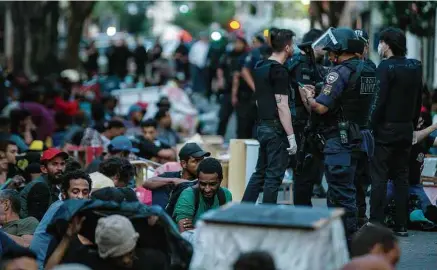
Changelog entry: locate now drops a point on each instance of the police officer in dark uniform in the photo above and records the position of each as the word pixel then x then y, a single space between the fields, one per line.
pixel 229 64
pixel 362 174
pixel 343 106
pixel 362 35
pixel 244 101
pixel 301 71
pixel 261 52
pixel 274 131
pixel 396 112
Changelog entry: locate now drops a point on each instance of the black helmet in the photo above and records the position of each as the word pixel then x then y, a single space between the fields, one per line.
pixel 362 34
pixel 339 40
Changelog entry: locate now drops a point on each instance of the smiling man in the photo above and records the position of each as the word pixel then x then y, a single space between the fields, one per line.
pixel 206 195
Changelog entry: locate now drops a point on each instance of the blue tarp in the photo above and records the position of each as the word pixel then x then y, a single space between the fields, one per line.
pixel 163 236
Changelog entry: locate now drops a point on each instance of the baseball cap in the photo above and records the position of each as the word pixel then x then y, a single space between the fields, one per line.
pixel 51 153
pixel 362 35
pixel 137 107
pixel 122 143
pixel 192 150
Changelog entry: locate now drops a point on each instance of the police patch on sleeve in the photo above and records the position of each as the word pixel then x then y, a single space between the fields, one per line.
pixel 248 58
pixel 327 90
pixel 331 77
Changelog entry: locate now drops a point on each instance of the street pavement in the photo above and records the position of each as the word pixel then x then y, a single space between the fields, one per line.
pixel 419 250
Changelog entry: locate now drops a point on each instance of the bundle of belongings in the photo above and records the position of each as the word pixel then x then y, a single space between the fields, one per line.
pixel 153 231
pixel 422 213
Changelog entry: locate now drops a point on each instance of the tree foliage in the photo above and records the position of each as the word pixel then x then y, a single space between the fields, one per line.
pixel 203 13
pixel 414 16
pixel 132 23
pixel 290 9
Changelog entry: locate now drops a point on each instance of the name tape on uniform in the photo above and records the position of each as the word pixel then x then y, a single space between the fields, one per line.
pixel 368 85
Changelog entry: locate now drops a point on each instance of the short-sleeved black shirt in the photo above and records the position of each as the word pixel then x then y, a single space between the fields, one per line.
pixel 148 149
pixel 277 84
pixel 229 64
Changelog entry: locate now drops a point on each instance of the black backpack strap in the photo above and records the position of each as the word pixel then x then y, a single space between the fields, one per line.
pixel 221 197
pixel 196 200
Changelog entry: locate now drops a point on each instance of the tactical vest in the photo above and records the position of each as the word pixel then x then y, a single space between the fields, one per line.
pixel 264 89
pixel 357 98
pixel 300 71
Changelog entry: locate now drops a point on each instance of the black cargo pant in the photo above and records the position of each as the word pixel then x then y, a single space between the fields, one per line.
pixel 312 173
pixel 389 160
pixel 362 182
pixel 226 110
pixel 246 118
pixel 271 165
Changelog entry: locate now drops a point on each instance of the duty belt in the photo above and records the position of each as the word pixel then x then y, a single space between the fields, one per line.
pixel 271 122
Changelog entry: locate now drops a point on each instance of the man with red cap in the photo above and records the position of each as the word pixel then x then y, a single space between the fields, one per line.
pixel 39 194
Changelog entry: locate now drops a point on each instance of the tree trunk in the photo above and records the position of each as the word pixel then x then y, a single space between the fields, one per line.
pixel 19 20
pixel 79 11
pixel 332 9
pixel 45 40
pixel 316 14
pixel 34 38
pixel 335 11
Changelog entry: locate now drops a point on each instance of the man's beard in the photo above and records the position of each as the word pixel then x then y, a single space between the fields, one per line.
pixel 55 179
pixel 136 122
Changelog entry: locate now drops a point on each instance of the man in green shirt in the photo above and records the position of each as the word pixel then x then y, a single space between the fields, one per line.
pixel 19 230
pixel 206 195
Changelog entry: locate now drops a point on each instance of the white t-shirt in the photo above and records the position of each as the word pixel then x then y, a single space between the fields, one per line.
pixel 198 54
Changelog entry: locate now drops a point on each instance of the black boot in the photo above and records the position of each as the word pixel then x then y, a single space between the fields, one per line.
pixel 400 231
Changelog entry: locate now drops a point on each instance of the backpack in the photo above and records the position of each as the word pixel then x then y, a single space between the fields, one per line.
pixel 174 196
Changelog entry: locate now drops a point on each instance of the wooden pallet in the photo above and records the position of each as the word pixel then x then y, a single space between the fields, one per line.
pixel 429 181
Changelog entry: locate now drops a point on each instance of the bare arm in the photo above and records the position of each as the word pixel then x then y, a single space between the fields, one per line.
pixel 220 73
pixel 57 255
pixel 157 182
pixel 318 108
pixel 23 240
pixel 185 224
pixel 72 231
pixel 304 99
pixel 308 93
pixel 235 86
pixel 220 78
pixel 168 154
pixel 284 113
pixel 420 135
pixel 245 73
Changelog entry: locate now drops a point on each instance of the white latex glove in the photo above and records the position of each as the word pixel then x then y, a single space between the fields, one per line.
pixel 293 146
pixel 414 137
